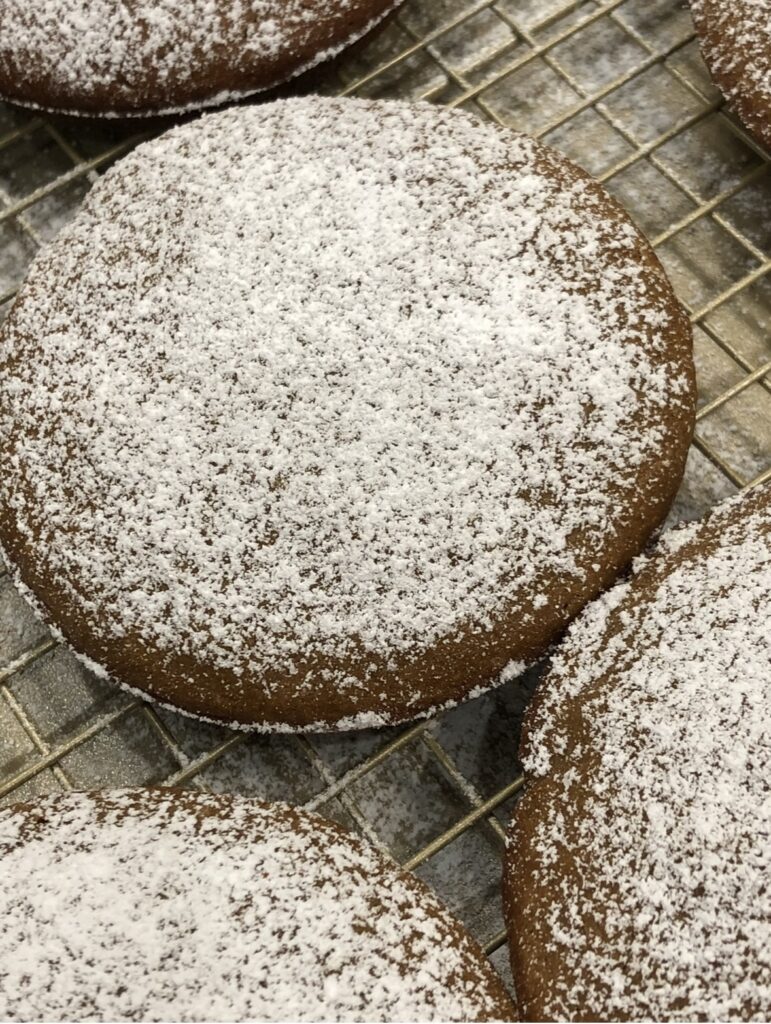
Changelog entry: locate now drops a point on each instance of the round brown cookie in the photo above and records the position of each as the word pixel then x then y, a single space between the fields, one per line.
pixel 735 39
pixel 169 905
pixel 636 877
pixel 325 414
pixel 148 57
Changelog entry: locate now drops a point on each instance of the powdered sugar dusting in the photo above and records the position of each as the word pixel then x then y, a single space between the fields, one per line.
pixel 140 52
pixel 152 906
pixel 736 41
pixel 331 379
pixel 671 837
pixel 361 720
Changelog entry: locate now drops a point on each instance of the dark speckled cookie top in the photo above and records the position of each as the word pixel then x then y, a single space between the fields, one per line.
pixel 322 413
pixel 639 858
pixel 129 57
pixel 735 38
pixel 156 905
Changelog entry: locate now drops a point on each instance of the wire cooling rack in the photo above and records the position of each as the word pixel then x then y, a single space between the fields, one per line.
pixel 619 87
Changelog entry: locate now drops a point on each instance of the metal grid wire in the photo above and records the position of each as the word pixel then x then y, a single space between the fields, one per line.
pixel 619 87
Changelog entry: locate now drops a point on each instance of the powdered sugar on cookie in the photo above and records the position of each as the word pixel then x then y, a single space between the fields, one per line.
pixel 745 27
pixel 657 710
pixel 145 53
pixel 735 37
pixel 144 905
pixel 332 379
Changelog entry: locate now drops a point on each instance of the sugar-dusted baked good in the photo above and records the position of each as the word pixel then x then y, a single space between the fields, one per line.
pixel 110 57
pixel 160 905
pixel 735 40
pixel 637 874
pixel 324 414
